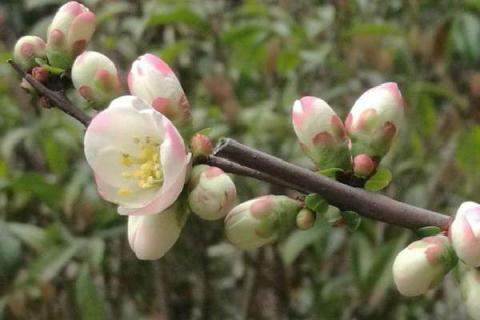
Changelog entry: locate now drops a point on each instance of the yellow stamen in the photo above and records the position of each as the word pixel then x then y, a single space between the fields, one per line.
pixel 148 168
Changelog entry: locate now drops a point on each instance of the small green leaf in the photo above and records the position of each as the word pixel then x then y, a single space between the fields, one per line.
pixel 205 131
pixel 352 220
pixel 428 231
pixel 330 172
pixel 88 298
pixel 380 180
pixel 316 203
pixel 53 70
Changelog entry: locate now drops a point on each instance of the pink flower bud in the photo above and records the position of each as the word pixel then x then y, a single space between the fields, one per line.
pixel 470 288
pixel 40 73
pixel 95 77
pixel 151 236
pixel 321 133
pixel 151 79
pixel 212 193
pixel 305 219
pixel 363 165
pixel 27 49
pixel 201 145
pixel 465 233
pixel 69 33
pixel 375 119
pixel 421 265
pixel 261 221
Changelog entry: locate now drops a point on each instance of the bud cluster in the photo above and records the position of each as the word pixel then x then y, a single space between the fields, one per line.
pixel 356 145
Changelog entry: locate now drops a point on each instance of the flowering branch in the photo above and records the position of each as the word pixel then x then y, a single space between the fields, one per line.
pixel 370 205
pixel 56 97
pixel 233 157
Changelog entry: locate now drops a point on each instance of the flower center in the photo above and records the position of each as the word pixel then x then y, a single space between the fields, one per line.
pixel 145 167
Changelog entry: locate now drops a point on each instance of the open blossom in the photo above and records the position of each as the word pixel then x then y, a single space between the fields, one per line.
pixel 95 77
pixel 151 236
pixel 374 121
pixel 465 233
pixel 261 221
pixel 421 265
pixel 321 133
pixel 69 33
pixel 212 194
pixel 150 78
pixel 27 49
pixel 138 157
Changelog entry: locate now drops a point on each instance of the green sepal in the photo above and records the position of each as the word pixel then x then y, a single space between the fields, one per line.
pixel 352 220
pixel 427 231
pixel 316 203
pixel 379 181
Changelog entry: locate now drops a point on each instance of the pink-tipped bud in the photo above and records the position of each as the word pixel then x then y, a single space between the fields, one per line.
pixel 321 133
pixel 261 221
pixel 375 119
pixel 27 49
pixel 201 145
pixel 422 265
pixel 151 236
pixel 363 166
pixel 40 73
pixel 305 219
pixel 69 34
pixel 212 194
pixel 465 233
pixel 151 79
pixel 95 77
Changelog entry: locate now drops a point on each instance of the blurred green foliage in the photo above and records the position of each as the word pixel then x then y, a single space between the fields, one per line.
pixel 63 251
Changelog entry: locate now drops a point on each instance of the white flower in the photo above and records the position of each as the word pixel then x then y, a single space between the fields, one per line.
pixel 138 157
pixel 465 233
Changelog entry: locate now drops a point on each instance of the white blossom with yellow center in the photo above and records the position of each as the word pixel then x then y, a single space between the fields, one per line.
pixel 138 157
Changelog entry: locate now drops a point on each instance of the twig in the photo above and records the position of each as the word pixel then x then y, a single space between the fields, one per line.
pixel 371 205
pixel 56 97
pixel 232 167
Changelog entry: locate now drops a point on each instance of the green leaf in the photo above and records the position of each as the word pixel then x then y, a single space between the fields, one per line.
pixel 33 236
pixel 88 299
pixel 10 252
pixel 316 203
pixel 380 180
pixel 53 70
pixel 297 242
pixel 330 172
pixel 428 231
pixel 352 220
pixel 55 155
pixel 178 15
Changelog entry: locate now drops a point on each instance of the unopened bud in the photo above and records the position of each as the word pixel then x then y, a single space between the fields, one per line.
pixel 363 165
pixel 470 288
pixel 213 193
pixel 321 133
pixel 375 119
pixel 27 49
pixel 151 79
pixel 261 221
pixel 95 77
pixel 421 265
pixel 465 233
pixel 40 73
pixel 151 236
pixel 69 33
pixel 201 145
pixel 305 219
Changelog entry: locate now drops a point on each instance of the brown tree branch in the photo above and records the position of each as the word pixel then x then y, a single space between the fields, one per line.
pixel 370 205
pixel 58 98
pixel 233 157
